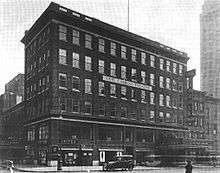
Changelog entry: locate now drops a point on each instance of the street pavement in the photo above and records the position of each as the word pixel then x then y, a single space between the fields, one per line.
pixel 90 169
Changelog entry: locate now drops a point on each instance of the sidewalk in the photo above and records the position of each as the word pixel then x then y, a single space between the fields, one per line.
pixel 74 169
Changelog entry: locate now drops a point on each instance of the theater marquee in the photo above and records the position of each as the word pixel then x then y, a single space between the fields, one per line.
pixel 128 83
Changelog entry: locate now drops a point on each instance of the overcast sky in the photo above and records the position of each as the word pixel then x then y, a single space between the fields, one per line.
pixel 174 23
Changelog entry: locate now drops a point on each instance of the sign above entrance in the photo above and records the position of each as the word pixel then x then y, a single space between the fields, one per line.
pixel 128 83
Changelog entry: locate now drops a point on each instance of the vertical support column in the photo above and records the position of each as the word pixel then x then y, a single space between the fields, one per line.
pixel 95 159
pixel 134 144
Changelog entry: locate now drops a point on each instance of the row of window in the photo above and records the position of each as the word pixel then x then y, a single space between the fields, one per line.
pixel 39 64
pixel 135 94
pixel 41 39
pixel 168 83
pixel 42 85
pixel 41 107
pixel 164 64
pixel 125 111
pixel 88 62
pixel 43 133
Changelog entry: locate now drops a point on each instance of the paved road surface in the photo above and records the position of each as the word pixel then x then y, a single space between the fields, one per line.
pixel 161 170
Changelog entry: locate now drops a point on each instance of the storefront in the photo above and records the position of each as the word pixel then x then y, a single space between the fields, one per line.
pixel 77 157
pixel 107 154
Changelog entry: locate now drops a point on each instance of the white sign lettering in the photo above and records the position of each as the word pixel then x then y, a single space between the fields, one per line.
pixel 128 83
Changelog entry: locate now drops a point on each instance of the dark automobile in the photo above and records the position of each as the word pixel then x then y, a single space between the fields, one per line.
pixel 124 162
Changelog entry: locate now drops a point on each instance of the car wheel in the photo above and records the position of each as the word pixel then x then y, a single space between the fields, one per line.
pixel 130 167
pixel 111 169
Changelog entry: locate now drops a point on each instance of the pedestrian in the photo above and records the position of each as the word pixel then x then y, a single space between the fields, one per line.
pixel 189 167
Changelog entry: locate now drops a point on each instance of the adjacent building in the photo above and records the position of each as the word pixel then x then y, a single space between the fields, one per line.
pixel 14 92
pixel 210 48
pixel 93 91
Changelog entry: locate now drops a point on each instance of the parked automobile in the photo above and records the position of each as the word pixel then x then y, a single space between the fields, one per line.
pixel 120 162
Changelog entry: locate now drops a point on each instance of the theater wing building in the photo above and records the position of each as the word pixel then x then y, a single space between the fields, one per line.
pixel 93 91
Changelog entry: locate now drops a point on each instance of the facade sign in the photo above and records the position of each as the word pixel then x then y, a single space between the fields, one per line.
pixel 128 83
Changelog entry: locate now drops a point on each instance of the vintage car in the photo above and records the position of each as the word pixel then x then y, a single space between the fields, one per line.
pixel 120 162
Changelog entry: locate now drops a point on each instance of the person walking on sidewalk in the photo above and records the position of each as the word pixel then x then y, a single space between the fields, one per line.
pixel 188 167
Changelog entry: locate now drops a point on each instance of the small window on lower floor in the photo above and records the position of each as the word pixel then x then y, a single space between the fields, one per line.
pixel 75 105
pixel 88 107
pixel 101 108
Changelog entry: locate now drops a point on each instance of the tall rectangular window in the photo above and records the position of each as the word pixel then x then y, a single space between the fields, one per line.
pixel 180 86
pixel 152 79
pixel 88 86
pixel 63 104
pixel 112 109
pixel 168 101
pixel 112 89
pixel 88 107
pixel 143 77
pixel 75 83
pixel 101 67
pixel 62 32
pixel 133 55
pixel 143 58
pixel 112 69
pixel 75 105
pixel 101 45
pixel 161 101
pixel 152 115
pixel 143 114
pixel 124 111
pixel 152 60
pixel 102 109
pixel 168 66
pixel 168 83
pixel 75 37
pixel 161 81
pixel 161 115
pixel 123 52
pixel 161 64
pixel 88 41
pixel 62 81
pixel 123 72
pixel 143 96
pixel 75 60
pixel 101 88
pixel 113 49
pixel 133 74
pixel 174 99
pixel 134 94
pixel 174 68
pixel 123 91
pixel 175 86
pixel 62 56
pixel 88 63
pixel 43 132
pixel 152 98
pixel 180 70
